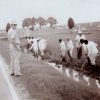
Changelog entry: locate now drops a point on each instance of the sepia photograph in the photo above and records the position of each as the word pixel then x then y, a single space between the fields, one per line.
pixel 49 49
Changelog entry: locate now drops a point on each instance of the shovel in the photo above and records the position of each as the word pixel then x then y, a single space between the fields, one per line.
pixel 82 66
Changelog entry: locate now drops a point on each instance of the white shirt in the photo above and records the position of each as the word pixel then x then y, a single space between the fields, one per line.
pixel 70 44
pixel 92 48
pixel 42 44
pixel 29 40
pixel 34 45
pixel 62 45
pixel 84 47
pixel 13 35
pixel 78 38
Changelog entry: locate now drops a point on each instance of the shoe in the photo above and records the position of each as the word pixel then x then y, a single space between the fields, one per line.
pixel 18 75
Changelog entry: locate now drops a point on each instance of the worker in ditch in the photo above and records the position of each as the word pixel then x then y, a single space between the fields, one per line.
pixel 34 47
pixel 62 50
pixel 91 51
pixel 78 44
pixel 70 48
pixel 14 50
pixel 42 44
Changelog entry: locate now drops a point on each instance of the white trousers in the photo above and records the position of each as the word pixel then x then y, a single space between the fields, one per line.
pixel 63 53
pixel 15 63
pixel 93 58
pixel 42 52
pixel 71 52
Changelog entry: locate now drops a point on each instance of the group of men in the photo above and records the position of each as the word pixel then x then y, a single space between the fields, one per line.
pixel 38 45
pixel 66 47
pixel 83 46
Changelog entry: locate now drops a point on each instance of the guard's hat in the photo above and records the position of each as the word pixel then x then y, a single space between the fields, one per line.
pixel 13 23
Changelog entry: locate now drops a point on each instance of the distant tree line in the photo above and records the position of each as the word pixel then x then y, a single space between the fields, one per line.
pixel 27 22
pixel 40 21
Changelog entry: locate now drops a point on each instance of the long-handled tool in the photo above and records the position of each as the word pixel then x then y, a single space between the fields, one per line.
pixel 82 66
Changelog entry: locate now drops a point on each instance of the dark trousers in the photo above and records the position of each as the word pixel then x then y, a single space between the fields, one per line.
pixel 63 59
pixel 79 52
pixel 89 61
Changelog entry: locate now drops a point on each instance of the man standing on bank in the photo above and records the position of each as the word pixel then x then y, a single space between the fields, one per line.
pixel 14 50
pixel 78 44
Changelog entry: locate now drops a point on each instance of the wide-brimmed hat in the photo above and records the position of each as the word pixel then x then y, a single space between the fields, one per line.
pixel 13 23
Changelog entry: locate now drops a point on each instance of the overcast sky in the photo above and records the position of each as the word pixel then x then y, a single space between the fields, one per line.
pixel 80 10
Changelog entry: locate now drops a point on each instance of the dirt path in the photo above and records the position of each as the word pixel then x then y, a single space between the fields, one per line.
pixel 6 88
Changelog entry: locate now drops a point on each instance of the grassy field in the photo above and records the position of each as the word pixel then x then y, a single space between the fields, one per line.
pixel 42 81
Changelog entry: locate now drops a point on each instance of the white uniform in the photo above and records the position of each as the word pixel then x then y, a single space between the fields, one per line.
pixel 42 46
pixel 70 47
pixel 63 48
pixel 92 51
pixel 78 38
pixel 84 48
pixel 29 41
pixel 14 52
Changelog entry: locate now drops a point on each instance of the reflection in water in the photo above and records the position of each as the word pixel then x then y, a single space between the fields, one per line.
pixel 74 75
pixel 64 70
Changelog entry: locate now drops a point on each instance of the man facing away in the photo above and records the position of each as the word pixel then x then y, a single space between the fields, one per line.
pixel 14 50
pixel 62 50
pixel 91 51
pixel 70 48
pixel 42 43
pixel 78 44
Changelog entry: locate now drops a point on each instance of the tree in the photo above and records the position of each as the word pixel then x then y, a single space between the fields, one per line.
pixel 70 23
pixel 33 23
pixel 26 22
pixel 8 27
pixel 41 21
pixel 52 21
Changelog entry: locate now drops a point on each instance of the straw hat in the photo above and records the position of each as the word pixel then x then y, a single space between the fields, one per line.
pixel 13 23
